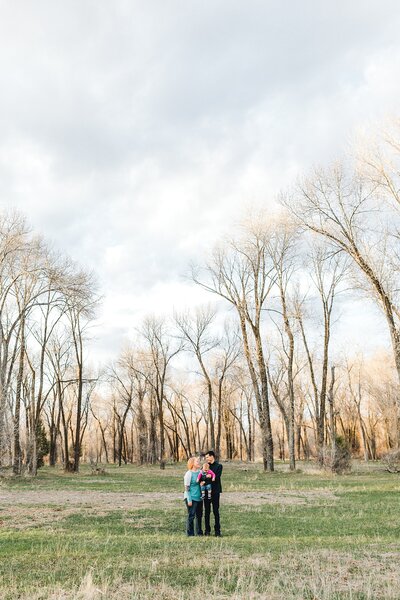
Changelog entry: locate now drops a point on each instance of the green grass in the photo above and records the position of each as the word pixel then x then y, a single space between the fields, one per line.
pixel 318 536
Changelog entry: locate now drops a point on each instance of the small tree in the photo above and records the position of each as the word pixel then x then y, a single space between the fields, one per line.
pixel 42 444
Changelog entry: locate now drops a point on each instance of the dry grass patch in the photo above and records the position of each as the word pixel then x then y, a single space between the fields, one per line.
pixel 324 575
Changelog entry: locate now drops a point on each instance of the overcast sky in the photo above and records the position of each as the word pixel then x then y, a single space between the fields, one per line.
pixel 133 134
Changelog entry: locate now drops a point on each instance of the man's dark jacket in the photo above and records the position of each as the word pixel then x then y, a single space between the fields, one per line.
pixel 216 486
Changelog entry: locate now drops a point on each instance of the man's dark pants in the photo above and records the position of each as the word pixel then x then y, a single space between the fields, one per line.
pixel 214 502
pixel 196 510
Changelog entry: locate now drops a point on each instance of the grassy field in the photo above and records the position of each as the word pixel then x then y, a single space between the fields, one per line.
pixel 122 535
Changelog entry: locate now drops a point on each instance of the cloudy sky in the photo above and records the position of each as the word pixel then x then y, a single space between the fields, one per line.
pixel 134 134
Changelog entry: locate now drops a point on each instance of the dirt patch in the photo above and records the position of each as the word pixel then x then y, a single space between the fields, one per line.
pixel 287 497
pixel 23 517
pixel 26 509
pixel 94 499
pixel 33 508
pixel 108 501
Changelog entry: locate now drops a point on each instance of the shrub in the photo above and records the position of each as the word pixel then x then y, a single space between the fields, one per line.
pixel 337 460
pixel 391 460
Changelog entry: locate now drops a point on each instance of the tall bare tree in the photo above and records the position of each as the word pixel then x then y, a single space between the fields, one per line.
pixel 241 273
pixel 329 271
pixel 81 303
pixel 228 355
pixel 161 350
pixel 14 239
pixel 196 331
pixel 341 205
pixel 281 248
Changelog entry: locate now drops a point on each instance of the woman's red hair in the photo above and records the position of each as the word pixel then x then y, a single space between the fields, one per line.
pixel 190 463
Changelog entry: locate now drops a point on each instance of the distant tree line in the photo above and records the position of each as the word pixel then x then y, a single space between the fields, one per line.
pixel 45 304
pixel 262 382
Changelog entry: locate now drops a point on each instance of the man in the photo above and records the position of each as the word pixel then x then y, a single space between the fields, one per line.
pixel 216 490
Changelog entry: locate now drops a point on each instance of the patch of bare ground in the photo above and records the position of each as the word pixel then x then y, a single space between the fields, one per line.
pixel 95 499
pixel 31 508
pixel 287 497
pixel 124 500
pixel 322 575
pixel 25 517
pixel 19 517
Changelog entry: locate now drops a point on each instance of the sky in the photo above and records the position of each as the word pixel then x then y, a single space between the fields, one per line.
pixel 135 134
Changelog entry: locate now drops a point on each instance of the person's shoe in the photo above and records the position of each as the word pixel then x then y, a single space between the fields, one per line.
pixel 201 533
pixel 207 533
pixel 218 535
pixel 209 496
pixel 190 535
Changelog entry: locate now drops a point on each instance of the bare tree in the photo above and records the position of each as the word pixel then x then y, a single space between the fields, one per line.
pixel 242 274
pixel 281 248
pixel 14 239
pixel 123 377
pixel 161 351
pixel 81 303
pixel 342 207
pixel 195 331
pixel 354 371
pixel 227 357
pixel 329 271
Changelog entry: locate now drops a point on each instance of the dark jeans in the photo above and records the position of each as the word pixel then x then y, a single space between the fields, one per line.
pixel 196 510
pixel 206 490
pixel 214 502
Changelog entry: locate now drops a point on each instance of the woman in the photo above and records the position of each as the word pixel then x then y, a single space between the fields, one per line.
pixel 192 497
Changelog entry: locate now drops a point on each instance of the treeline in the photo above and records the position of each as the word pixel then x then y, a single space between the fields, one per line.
pixel 265 382
pixel 45 304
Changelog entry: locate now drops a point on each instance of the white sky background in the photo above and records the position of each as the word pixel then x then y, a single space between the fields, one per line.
pixel 133 134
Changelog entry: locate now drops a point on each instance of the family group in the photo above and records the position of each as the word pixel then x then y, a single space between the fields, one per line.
pixel 202 490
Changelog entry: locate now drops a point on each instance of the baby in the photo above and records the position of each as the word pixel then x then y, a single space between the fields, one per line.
pixel 205 482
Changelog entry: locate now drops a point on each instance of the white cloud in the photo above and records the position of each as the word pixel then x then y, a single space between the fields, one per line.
pixel 134 134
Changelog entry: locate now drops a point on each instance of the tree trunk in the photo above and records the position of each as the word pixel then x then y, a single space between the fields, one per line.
pixel 17 414
pixel 162 434
pixel 77 445
pixel 219 419
pixel 261 397
pixel 142 433
pixel 332 415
